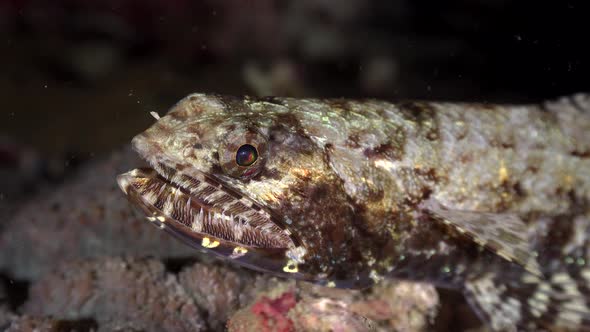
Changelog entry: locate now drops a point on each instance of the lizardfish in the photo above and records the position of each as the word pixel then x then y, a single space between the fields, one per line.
pixel 492 200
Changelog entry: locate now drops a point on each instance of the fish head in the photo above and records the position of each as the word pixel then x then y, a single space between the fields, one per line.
pixel 242 179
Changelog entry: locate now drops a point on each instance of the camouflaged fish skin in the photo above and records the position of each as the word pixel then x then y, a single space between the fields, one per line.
pixel 488 199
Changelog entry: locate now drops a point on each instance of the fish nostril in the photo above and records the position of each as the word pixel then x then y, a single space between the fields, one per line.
pixel 145 145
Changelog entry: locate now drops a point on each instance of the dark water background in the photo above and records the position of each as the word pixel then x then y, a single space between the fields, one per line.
pixel 82 75
pixel 79 78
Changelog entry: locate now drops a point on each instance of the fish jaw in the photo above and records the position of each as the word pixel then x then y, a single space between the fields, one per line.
pixel 252 240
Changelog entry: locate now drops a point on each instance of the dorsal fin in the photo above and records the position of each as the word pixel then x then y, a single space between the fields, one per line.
pixel 502 234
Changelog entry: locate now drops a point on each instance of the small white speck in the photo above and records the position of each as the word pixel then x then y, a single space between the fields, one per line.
pixel 238 252
pixel 560 278
pixel 375 276
pixel 540 296
pixel 155 115
pixel 530 279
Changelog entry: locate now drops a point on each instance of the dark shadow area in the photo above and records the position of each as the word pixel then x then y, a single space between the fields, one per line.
pixel 175 265
pixel 78 325
pixel 455 313
pixel 83 77
pixel 16 291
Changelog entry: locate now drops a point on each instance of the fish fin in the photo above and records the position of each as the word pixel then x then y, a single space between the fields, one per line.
pixel 531 303
pixel 502 234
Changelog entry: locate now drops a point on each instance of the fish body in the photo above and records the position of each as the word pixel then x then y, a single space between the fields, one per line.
pixel 488 199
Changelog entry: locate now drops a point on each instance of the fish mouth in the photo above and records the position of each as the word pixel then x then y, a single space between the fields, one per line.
pixel 203 211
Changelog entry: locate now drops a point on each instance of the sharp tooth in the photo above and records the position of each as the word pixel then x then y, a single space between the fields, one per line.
pixel 168 206
pixel 150 198
pixel 238 231
pixel 197 224
pixel 188 204
pixel 161 190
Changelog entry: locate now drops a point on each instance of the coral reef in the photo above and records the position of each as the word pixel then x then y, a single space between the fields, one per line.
pixel 392 306
pixel 136 294
pixel 130 294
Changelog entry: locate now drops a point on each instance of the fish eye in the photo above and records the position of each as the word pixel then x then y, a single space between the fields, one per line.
pixel 243 152
pixel 246 155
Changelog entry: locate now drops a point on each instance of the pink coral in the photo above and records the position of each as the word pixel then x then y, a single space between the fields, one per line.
pixel 274 312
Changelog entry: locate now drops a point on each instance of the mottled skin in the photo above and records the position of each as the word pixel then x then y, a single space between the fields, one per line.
pixel 490 199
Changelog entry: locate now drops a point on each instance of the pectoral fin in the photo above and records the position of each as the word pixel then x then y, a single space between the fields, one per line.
pixel 502 234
